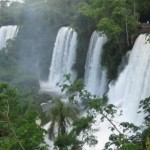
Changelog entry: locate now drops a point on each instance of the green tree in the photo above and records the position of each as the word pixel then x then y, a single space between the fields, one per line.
pixel 118 21
pixel 143 8
pixel 61 115
pixel 18 129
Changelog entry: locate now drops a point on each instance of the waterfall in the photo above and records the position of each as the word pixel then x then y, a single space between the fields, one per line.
pixel 7 32
pixel 133 83
pixel 95 79
pixel 131 86
pixel 63 59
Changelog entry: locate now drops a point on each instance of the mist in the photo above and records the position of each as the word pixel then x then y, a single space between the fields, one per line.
pixel 35 41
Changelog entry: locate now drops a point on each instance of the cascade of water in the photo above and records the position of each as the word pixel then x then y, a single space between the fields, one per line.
pixel 63 59
pixel 133 83
pixel 95 79
pixel 131 86
pixel 7 32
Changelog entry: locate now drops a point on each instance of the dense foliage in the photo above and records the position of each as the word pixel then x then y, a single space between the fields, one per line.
pixel 20 131
pixel 18 128
pixel 143 8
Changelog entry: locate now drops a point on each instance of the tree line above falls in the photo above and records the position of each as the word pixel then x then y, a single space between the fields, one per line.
pixel 39 22
pixel 118 19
